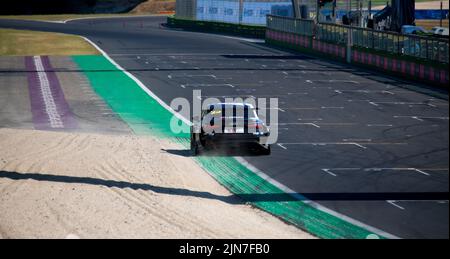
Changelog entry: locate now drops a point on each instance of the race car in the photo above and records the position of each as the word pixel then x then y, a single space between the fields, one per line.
pixel 229 124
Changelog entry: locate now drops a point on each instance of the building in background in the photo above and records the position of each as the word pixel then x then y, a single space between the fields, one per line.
pixel 233 11
pixel 255 11
pixel 377 14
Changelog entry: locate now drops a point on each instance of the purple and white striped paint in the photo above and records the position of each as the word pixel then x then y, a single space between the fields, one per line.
pixel 48 104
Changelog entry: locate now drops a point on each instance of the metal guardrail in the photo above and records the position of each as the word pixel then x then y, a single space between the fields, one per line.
pixel 331 33
pixel 424 47
pixel 429 48
pixel 298 26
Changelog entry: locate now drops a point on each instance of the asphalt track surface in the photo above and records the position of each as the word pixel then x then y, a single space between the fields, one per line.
pixel 368 146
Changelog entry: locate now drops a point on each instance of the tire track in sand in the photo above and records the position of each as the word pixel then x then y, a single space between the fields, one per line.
pixel 148 201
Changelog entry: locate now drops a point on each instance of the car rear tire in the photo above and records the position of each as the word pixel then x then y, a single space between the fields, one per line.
pixel 266 150
pixel 194 144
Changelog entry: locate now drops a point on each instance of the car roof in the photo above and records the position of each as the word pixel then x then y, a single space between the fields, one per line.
pixel 234 104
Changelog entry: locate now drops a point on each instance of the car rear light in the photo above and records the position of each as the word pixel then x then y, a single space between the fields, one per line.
pixel 256 126
pixel 211 126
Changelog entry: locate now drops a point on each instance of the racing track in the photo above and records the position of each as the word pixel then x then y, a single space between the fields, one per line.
pixel 368 146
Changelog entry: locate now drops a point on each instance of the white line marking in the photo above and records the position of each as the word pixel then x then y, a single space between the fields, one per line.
pixel 139 83
pixel 420 118
pixel 268 82
pixel 299 93
pixel 334 81
pixel 395 205
pixel 420 171
pixel 187 75
pixel 424 201
pixel 375 169
pixel 310 119
pixel 281 145
pixel 183 55
pixel 331 107
pixel 329 172
pixel 327 143
pixel 336 124
pixel 224 96
pixel 345 169
pixel 364 91
pixel 402 103
pixel 204 85
pixel 360 145
pixel 245 39
pixel 379 125
pixel 298 123
pixel 312 203
pixel 107 17
pixel 46 92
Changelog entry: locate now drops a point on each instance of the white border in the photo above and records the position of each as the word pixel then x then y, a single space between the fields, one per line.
pixel 139 83
pixel 111 17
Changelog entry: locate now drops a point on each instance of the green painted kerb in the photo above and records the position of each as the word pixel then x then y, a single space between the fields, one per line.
pixel 145 115
pixel 142 113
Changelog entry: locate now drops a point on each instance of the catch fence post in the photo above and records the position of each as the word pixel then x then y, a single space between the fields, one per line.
pixel 349 44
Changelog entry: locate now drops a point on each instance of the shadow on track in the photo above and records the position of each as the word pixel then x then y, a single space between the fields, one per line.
pixel 217 151
pixel 231 199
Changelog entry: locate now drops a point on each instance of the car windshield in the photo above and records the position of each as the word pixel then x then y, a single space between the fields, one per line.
pixel 231 111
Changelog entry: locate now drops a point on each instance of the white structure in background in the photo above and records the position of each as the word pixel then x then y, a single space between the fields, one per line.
pixel 255 11
pixel 215 10
pixel 233 11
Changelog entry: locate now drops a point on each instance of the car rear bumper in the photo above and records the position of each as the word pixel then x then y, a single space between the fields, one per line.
pixel 233 138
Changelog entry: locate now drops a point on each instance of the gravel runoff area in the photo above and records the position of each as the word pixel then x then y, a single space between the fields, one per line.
pixel 66 185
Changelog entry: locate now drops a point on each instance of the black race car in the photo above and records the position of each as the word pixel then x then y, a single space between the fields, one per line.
pixel 229 124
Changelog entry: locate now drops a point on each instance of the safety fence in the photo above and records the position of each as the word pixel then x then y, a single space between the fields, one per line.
pixel 424 47
pixel 298 26
pixel 424 58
